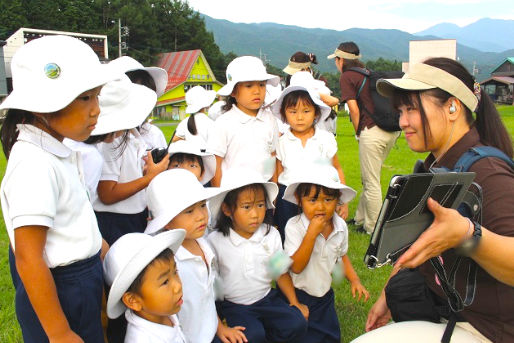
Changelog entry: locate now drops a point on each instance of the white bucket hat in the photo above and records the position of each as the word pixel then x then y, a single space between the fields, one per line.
pixel 198 98
pixel 239 177
pixel 48 73
pixel 171 192
pixel 128 256
pixel 302 81
pixel 159 75
pixel 123 105
pixel 246 68
pixel 188 147
pixel 319 175
pixel 272 93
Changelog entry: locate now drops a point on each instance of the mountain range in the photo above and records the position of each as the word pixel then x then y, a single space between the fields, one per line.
pixel 277 42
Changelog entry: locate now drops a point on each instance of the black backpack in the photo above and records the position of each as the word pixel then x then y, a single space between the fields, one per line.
pixel 385 116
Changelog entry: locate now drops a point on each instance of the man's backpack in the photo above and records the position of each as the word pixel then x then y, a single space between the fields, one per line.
pixel 384 115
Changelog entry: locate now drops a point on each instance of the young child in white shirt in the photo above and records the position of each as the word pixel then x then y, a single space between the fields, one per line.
pixel 246 135
pixel 195 258
pixel 144 284
pixel 187 155
pixel 244 243
pixel 317 240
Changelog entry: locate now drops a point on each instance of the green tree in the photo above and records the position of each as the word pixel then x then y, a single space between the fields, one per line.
pixel 12 17
pixel 382 64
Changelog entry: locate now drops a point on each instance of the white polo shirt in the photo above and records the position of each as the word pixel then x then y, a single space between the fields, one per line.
pixel 123 168
pixel 319 149
pixel 198 315
pixel 242 263
pixel 43 185
pixel 92 162
pixel 325 254
pixel 140 330
pixel 246 141
pixel 153 136
pixel 204 127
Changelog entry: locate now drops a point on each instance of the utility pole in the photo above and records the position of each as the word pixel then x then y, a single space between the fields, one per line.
pixel 119 37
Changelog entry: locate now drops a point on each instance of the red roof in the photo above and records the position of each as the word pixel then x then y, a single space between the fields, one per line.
pixel 178 65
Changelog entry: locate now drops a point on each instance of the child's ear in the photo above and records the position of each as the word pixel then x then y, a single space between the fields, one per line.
pixel 226 210
pixel 132 301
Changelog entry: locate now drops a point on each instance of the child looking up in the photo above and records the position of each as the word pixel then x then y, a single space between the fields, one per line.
pixel 244 243
pixel 195 258
pixel 303 145
pixel 246 135
pixel 146 286
pixel 316 239
pixel 53 234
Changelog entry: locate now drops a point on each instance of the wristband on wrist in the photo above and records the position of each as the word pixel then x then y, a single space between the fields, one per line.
pixel 469 245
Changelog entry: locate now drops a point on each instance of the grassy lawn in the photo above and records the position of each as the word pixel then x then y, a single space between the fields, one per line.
pixel 352 314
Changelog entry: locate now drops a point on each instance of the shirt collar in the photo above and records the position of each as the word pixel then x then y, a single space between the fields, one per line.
pixel 258 235
pixel 34 135
pixel 292 137
pixel 184 254
pixel 245 118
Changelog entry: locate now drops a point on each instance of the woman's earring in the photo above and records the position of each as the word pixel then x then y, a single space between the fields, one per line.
pixel 453 109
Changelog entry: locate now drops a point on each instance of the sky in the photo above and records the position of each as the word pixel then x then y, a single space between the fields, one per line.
pixel 406 15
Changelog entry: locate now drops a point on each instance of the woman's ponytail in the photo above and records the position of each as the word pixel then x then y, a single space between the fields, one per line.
pixel 9 131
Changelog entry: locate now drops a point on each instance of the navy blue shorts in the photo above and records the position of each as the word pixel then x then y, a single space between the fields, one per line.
pixel 114 225
pixel 79 288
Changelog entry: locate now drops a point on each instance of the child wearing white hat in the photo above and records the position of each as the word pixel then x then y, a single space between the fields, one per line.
pixel 198 126
pixel 195 258
pixel 246 135
pixel 245 244
pixel 144 284
pixel 187 155
pixel 303 144
pixel 316 239
pixel 54 238
pixel 128 167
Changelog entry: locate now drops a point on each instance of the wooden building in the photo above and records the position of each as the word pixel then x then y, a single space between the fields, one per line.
pixel 500 86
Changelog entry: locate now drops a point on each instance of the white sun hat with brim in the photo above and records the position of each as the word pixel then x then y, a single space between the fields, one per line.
pixel 198 98
pixel 188 147
pixel 324 109
pixel 239 177
pixel 159 75
pixel 48 73
pixel 127 258
pixel 421 77
pixel 272 93
pixel 325 176
pixel 171 192
pixel 123 105
pixel 246 68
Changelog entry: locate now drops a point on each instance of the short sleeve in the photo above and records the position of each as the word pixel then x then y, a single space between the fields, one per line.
pixel 294 236
pixel 275 133
pixel 348 88
pixel 181 129
pixel 344 244
pixel 280 147
pixel 330 144
pixel 218 140
pixel 111 168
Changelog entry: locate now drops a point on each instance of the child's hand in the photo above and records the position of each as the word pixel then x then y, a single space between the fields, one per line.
pixel 317 224
pixel 67 337
pixel 152 169
pixel 358 288
pixel 342 211
pixel 303 308
pixel 231 335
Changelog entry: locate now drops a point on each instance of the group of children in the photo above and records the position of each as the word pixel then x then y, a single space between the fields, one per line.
pixel 191 242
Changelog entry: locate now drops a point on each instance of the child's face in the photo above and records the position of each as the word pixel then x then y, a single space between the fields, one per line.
pixel 301 117
pixel 193 219
pixel 192 165
pixel 161 291
pixel 77 120
pixel 250 96
pixel 323 205
pixel 249 212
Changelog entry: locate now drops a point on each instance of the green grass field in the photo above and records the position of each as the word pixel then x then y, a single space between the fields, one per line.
pixel 352 314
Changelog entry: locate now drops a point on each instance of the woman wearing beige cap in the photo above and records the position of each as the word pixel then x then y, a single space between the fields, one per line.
pixel 444 112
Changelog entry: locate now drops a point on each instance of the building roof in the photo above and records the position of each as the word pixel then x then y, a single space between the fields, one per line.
pixel 508 59
pixel 502 79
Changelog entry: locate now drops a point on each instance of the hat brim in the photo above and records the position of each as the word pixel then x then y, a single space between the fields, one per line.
pixel 325 110
pixel 330 57
pixel 386 87
pixel 347 193
pixel 171 239
pixel 215 203
pixel 160 77
pixel 188 199
pixel 128 114
pixel 229 87
pixel 206 101
pixel 39 100
pixel 290 70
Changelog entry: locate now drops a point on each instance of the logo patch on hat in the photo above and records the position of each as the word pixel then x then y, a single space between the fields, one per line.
pixel 52 71
pixel 229 77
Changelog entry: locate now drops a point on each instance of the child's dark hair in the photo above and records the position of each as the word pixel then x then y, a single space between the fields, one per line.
pixel 301 57
pixel 191 124
pixel 229 102
pixel 97 138
pixel 224 223
pixel 352 48
pixel 165 256
pixel 142 77
pixel 304 189
pixel 292 99
pixel 181 157
pixel 9 131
